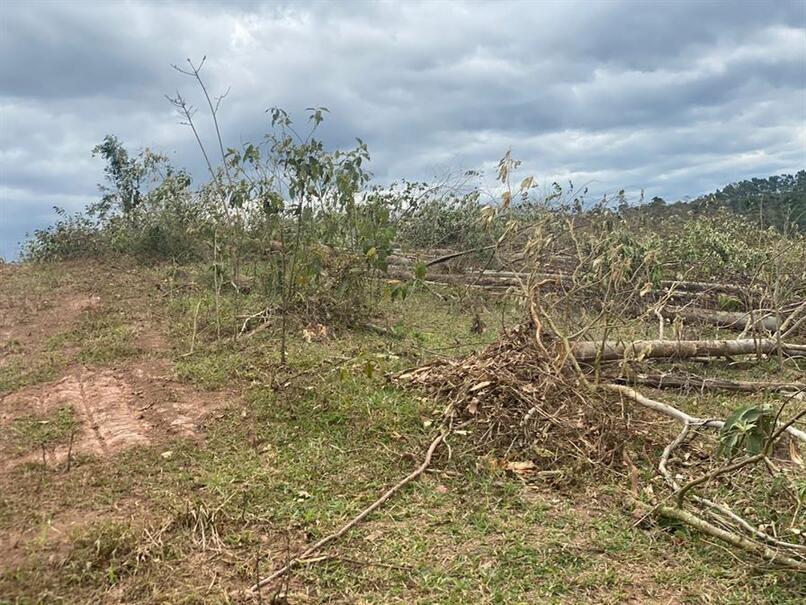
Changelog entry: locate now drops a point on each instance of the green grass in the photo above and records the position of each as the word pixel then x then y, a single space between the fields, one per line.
pixel 101 336
pixel 36 431
pixel 19 372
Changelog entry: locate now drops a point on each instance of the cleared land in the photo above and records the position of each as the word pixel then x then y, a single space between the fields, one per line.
pixel 134 471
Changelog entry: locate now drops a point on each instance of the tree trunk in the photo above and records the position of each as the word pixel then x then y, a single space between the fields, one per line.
pixel 698 286
pixel 679 349
pixel 735 320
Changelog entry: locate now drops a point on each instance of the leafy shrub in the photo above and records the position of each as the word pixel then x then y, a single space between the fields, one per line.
pixel 72 236
pixel 720 246
pixel 445 222
pixel 146 210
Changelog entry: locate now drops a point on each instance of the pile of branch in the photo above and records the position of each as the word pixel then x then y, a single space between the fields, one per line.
pixel 539 394
pixel 517 396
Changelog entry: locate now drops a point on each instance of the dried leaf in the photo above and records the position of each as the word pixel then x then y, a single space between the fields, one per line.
pixel 506 199
pixel 479 386
pixel 521 468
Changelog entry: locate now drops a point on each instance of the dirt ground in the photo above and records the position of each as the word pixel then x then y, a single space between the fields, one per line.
pixel 137 404
pixel 138 401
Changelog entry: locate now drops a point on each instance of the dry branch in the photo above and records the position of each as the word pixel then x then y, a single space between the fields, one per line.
pixel 680 415
pixel 688 381
pixel 770 555
pixel 794 321
pixel 355 520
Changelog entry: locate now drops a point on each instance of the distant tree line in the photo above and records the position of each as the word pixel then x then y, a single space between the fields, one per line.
pixel 776 201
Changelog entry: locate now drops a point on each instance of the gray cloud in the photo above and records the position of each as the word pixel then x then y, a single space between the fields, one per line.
pixel 676 98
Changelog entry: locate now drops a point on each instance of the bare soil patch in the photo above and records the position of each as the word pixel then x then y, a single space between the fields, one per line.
pixel 115 409
pixel 28 324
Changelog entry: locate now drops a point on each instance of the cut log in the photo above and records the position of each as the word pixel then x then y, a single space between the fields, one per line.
pixel 493 279
pixel 687 381
pixel 458 279
pixel 452 255
pixel 734 320
pixel 678 349
pixel 396 260
pixel 699 286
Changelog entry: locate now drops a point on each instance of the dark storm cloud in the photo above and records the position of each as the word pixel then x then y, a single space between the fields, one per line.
pixel 673 97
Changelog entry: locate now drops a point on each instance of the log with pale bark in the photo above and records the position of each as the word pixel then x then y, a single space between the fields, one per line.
pixel 734 320
pixel 698 286
pixel 679 349
pixel 457 279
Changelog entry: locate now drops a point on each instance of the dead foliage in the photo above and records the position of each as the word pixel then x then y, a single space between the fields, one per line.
pixel 521 402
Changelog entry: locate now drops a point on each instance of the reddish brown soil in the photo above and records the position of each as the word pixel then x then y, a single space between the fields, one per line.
pixel 25 325
pixel 136 403
pixel 115 410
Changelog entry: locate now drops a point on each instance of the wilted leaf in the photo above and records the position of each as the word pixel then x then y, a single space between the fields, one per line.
pixel 506 199
pixel 521 468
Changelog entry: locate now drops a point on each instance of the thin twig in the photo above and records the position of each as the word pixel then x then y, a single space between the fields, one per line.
pixel 355 520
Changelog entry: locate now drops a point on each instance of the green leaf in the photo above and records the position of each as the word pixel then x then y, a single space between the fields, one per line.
pixel 748 428
pixel 420 270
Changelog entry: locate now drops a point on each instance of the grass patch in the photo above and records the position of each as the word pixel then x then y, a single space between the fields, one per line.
pixel 19 372
pixel 43 431
pixel 102 336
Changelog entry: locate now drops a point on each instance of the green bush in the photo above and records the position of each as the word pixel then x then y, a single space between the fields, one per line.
pixel 445 222
pixel 73 236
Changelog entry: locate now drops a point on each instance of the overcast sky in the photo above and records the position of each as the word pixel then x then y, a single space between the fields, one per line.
pixel 677 98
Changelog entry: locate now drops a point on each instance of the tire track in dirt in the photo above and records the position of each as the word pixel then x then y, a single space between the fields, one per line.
pixel 114 410
pixel 107 413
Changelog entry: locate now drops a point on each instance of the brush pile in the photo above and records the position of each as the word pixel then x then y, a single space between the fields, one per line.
pixel 519 401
